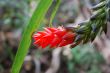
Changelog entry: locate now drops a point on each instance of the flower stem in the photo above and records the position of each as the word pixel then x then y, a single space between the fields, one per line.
pixel 54 12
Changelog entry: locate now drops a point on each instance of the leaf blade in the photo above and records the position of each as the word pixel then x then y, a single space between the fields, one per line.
pixel 34 24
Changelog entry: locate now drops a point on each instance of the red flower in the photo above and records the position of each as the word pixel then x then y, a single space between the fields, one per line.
pixel 53 37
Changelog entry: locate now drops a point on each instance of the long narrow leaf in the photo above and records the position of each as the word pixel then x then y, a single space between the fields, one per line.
pixel 33 25
pixel 54 12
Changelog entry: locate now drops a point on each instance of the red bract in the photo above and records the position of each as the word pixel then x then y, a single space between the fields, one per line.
pixel 53 37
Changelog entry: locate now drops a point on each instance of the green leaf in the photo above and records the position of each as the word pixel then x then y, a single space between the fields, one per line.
pixel 33 25
pixel 54 12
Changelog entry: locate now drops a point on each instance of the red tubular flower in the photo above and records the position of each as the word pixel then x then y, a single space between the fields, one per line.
pixel 53 37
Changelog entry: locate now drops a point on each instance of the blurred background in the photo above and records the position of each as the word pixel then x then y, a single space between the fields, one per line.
pixel 88 58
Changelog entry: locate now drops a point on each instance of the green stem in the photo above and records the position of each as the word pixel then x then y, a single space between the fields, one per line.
pixel 54 12
pixel 32 26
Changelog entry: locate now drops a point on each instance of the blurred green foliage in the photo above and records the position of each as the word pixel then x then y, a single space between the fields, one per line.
pixel 85 58
pixel 13 13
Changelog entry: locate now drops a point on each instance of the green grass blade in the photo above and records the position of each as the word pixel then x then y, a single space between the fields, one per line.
pixel 33 25
pixel 54 12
